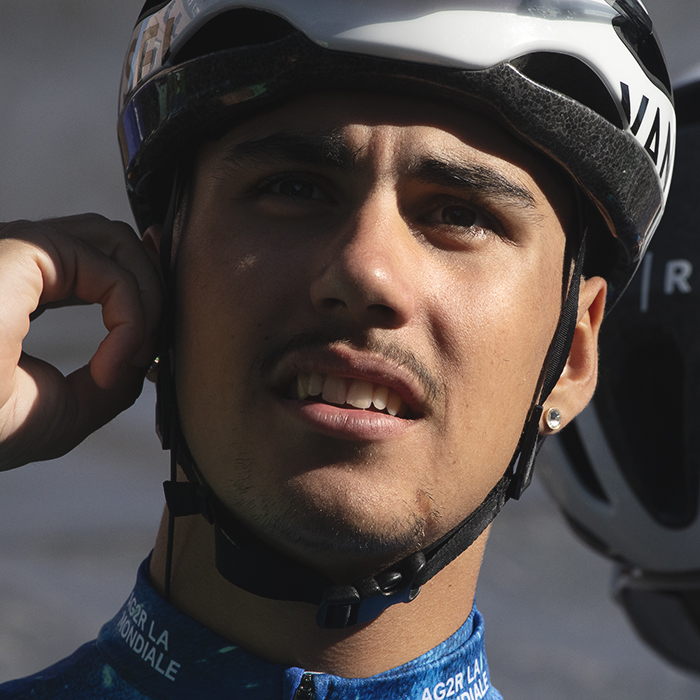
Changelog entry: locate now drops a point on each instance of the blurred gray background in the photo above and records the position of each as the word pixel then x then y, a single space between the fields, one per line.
pixel 73 531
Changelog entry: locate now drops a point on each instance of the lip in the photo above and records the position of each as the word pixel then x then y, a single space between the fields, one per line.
pixel 344 421
pixel 342 361
pixel 347 423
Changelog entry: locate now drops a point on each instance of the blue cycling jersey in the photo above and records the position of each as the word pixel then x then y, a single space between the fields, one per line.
pixel 151 650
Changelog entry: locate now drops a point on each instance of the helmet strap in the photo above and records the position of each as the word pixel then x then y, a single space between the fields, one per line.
pixel 166 410
pixel 531 441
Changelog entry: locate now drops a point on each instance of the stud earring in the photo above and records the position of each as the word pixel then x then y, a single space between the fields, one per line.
pixel 553 418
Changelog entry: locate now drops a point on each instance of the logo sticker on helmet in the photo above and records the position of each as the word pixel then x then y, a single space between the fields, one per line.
pixel 652 143
pixel 677 274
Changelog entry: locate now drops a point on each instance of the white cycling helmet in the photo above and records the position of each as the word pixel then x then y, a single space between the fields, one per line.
pixel 581 82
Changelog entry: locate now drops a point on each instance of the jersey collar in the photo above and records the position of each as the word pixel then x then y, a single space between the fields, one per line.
pixel 166 654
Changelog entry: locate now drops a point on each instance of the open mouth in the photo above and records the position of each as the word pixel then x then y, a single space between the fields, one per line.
pixel 355 393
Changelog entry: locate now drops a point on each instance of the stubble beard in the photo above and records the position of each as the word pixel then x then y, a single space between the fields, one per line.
pixel 311 530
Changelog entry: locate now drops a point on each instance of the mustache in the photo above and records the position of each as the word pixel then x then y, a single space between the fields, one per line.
pixel 392 352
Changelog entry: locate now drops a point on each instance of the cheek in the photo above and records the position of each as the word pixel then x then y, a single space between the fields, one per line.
pixel 229 285
pixel 494 343
pixel 220 301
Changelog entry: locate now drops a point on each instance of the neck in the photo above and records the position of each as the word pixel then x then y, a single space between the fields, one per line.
pixel 286 632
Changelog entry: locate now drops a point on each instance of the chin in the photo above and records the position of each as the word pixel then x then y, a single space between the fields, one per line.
pixel 342 535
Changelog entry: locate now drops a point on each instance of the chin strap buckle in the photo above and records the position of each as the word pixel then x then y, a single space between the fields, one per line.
pixel 344 606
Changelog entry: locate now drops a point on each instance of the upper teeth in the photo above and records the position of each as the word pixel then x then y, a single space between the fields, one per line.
pixel 357 392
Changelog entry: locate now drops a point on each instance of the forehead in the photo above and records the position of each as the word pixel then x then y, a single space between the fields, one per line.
pixel 351 130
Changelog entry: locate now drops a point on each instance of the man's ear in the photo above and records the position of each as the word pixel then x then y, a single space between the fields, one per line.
pixel 151 237
pixel 578 380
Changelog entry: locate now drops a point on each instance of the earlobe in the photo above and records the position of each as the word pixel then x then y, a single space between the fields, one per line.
pixel 578 380
pixel 151 237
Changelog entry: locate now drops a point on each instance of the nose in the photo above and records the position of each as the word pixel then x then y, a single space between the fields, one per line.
pixel 368 270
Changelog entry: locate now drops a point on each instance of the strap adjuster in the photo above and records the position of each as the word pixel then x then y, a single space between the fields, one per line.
pixel 186 498
pixel 344 606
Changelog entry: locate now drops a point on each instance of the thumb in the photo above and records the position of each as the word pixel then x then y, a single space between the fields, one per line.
pixel 57 420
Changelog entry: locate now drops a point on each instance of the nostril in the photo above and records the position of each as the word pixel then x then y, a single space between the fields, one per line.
pixel 383 315
pixel 332 304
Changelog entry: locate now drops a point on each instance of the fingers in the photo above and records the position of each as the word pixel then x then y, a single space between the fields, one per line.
pixel 120 243
pixel 58 412
pixel 88 273
pixel 98 261
pixel 42 413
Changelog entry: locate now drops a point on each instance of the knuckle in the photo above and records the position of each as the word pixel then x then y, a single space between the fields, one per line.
pixel 20 229
pixel 121 228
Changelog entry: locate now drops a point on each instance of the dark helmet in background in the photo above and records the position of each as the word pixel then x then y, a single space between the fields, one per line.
pixel 626 472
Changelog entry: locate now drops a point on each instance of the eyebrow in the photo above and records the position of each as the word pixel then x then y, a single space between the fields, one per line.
pixel 323 150
pixel 479 178
pixel 331 150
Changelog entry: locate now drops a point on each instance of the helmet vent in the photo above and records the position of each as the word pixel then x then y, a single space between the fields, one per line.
pixel 234 29
pixel 571 77
pixel 640 39
pixel 578 457
pixel 643 410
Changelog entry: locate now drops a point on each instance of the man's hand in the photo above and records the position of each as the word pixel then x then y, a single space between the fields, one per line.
pixel 42 413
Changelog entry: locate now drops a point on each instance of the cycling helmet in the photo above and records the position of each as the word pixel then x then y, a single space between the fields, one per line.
pixel 626 472
pixel 582 82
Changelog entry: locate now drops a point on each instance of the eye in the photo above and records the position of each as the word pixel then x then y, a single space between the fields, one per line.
pixel 461 215
pixel 295 187
pixel 456 215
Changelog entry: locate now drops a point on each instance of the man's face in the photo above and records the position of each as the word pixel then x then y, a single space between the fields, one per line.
pixel 367 290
